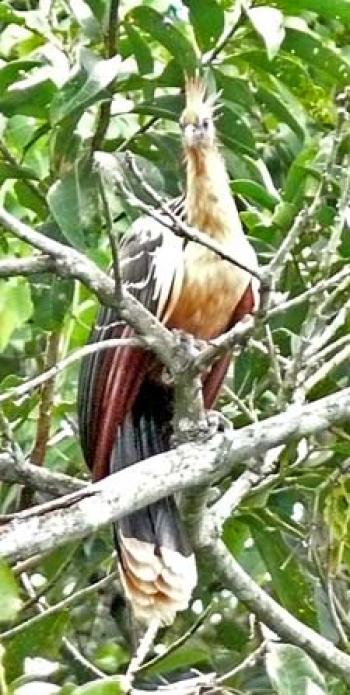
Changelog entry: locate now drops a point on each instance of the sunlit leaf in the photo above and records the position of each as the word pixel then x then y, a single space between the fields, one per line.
pixel 73 202
pixel 10 601
pixel 105 686
pixel 207 19
pixel 41 639
pixel 84 89
pixel 292 671
pixel 166 34
pixel 339 9
pixel 268 23
pixel 15 307
pixel 141 50
pixel 86 19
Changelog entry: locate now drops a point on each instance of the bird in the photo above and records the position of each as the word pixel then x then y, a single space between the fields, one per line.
pixel 125 407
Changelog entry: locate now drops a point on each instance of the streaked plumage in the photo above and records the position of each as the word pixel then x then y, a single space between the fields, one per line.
pixel 125 408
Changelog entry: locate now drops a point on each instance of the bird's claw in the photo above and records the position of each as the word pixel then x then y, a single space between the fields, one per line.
pixel 217 422
pixel 188 341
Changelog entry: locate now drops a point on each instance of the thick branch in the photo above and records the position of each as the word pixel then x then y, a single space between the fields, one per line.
pixel 26 266
pixel 77 515
pixel 55 484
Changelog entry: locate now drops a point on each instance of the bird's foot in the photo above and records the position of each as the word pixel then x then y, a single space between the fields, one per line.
pixel 217 422
pixel 188 341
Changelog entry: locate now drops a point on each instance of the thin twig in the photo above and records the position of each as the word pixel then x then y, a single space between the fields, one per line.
pixel 319 288
pixel 26 182
pixel 111 49
pixel 177 643
pixel 69 646
pixel 175 224
pixel 249 662
pixel 55 608
pixel 46 401
pixel 145 645
pixel 22 389
pixel 140 131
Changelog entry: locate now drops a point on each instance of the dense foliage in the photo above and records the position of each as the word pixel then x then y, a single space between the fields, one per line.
pixel 67 89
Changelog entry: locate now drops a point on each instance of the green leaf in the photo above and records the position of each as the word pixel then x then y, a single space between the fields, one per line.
pixel 141 50
pixel 51 299
pixel 29 97
pixel 9 73
pixel 3 684
pixel 193 652
pixel 86 19
pixel 288 579
pixel 105 686
pixel 311 49
pixel 255 192
pixel 292 671
pixel 235 130
pixel 207 19
pixel 8 15
pixel 31 199
pixel 15 307
pixel 337 8
pixel 167 106
pixel 14 171
pixel 85 88
pixel 166 34
pixel 73 201
pixel 235 89
pixel 268 23
pixel 290 113
pixel 41 639
pixel 110 656
pixel 10 602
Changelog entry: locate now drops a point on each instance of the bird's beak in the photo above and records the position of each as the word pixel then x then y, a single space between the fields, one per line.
pixel 193 135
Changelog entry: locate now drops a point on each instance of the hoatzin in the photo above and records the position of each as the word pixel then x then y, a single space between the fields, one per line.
pixel 125 408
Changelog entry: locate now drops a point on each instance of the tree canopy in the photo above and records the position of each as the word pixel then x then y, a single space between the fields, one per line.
pixel 86 87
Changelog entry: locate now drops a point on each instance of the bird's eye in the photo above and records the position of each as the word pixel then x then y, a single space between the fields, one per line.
pixel 205 123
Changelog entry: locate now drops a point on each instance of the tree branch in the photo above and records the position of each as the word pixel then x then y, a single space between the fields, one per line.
pixel 75 516
pixel 55 484
pixel 275 617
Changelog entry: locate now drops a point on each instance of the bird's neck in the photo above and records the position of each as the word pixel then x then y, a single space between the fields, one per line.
pixel 210 206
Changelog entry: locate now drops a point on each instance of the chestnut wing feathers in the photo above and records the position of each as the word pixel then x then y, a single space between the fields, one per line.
pixel 150 258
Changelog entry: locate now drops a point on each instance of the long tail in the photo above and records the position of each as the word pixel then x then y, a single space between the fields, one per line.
pixel 157 565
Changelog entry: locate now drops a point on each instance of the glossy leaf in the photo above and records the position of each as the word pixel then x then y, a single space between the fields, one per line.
pixel 207 19
pixel 15 307
pixel 51 299
pixel 292 671
pixel 10 601
pixel 73 202
pixel 292 588
pixel 28 97
pixel 12 71
pixel 140 48
pixel 339 9
pixel 105 686
pixel 41 639
pixel 84 89
pixel 86 19
pixel 8 15
pixel 166 34
pixel 268 23
pixel 12 171
pixel 313 51
pixel 255 192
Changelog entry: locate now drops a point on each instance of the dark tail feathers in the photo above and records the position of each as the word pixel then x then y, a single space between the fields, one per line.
pixel 157 566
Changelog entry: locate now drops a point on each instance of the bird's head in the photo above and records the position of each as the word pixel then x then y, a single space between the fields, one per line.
pixel 197 118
